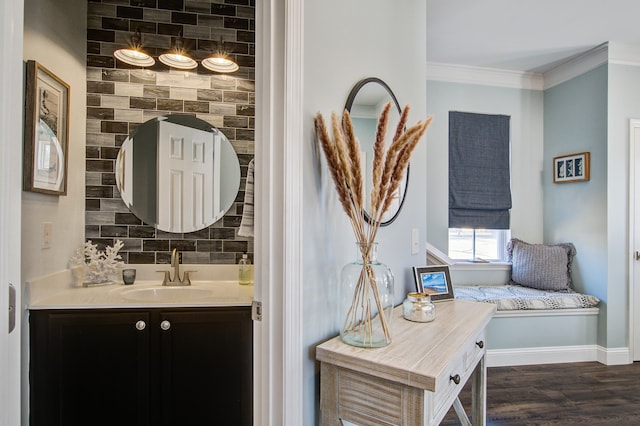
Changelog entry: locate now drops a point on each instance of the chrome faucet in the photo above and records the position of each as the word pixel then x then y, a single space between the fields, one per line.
pixel 176 279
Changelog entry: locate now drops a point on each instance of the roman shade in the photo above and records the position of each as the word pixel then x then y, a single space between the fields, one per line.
pixel 479 177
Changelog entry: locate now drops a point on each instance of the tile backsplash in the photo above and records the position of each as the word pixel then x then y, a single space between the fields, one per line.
pixel 121 97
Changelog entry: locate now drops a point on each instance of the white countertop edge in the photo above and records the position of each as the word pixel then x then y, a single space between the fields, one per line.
pixel 61 290
pixel 46 286
pixel 139 305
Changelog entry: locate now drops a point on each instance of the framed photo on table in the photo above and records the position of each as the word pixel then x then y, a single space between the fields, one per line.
pixel 46 136
pixel 571 168
pixel 435 281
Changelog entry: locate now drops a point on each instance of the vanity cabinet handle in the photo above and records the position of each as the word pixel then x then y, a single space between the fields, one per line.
pixel 480 344
pixel 165 325
pixel 456 379
pixel 141 325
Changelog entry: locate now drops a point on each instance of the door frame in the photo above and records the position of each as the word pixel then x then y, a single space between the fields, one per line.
pixel 634 245
pixel 11 72
pixel 278 347
pixel 278 247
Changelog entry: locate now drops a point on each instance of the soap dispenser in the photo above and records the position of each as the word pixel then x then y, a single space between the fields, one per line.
pixel 244 271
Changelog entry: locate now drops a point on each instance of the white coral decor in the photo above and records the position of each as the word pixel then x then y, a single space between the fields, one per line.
pixel 98 266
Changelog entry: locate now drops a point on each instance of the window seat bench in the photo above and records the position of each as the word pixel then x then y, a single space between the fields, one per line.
pixel 536 327
pixel 520 298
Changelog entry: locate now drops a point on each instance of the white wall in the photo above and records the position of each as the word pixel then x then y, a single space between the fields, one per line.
pixel 343 43
pixel 623 104
pixel 55 36
pixel 525 109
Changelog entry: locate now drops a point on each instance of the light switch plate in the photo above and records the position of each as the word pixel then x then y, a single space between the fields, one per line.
pixel 415 241
pixel 47 234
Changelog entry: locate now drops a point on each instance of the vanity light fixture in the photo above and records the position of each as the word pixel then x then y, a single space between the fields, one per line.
pixel 220 61
pixel 178 57
pixel 134 55
pixel 220 64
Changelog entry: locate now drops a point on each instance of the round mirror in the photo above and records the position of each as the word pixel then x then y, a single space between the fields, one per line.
pixel 178 173
pixel 365 103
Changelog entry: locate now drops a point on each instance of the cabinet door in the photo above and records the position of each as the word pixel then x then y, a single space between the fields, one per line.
pixel 206 367
pixel 89 368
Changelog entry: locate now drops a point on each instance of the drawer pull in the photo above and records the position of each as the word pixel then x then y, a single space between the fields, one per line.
pixel 141 325
pixel 456 379
pixel 480 344
pixel 165 325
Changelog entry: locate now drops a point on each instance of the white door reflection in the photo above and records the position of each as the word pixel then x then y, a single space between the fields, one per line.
pixel 189 167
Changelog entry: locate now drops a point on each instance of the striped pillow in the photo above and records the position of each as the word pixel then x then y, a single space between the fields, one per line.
pixel 541 266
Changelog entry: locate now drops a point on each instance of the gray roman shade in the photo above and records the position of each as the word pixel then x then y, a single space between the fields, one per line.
pixel 479 177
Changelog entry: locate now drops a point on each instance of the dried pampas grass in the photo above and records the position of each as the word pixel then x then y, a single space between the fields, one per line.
pixel 389 165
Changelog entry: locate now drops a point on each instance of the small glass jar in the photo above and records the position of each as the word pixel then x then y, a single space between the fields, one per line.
pixel 418 307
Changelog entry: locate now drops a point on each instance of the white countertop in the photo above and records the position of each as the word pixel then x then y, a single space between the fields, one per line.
pixel 61 291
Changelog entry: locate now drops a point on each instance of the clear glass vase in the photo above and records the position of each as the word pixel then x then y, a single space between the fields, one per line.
pixel 366 300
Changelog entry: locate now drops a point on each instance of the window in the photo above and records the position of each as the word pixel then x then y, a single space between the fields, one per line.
pixel 479 186
pixel 478 244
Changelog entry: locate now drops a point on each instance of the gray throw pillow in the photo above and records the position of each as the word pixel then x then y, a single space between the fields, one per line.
pixel 541 266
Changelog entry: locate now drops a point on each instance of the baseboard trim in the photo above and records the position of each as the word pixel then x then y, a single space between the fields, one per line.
pixel 614 356
pixel 557 355
pixel 541 355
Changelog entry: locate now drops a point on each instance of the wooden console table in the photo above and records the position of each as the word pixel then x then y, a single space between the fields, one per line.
pixel 413 381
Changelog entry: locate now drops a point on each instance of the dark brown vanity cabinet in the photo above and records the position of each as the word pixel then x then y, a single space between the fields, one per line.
pixel 187 366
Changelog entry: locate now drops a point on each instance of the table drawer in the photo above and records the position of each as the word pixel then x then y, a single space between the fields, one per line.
pixel 451 381
pixel 474 351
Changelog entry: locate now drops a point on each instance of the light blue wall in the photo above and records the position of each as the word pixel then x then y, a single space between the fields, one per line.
pixel 542 332
pixel 525 109
pixel 575 120
pixel 365 127
pixel 343 45
pixel 589 112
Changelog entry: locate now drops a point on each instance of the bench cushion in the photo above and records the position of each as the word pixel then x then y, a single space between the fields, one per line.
pixel 515 297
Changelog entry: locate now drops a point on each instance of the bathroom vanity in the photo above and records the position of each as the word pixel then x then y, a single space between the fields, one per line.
pixel 107 356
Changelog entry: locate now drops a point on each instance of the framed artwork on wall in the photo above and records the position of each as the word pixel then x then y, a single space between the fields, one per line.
pixel 46 136
pixel 435 281
pixel 571 168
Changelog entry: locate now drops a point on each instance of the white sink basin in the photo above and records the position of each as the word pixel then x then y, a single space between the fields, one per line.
pixel 168 294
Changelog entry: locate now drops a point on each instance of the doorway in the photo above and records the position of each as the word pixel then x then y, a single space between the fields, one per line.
pixel 634 240
pixel 11 17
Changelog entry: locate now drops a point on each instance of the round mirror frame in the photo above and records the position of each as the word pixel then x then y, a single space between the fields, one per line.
pixel 348 105
pixel 142 211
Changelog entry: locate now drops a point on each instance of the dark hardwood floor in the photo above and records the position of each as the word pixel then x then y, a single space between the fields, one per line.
pixel 586 394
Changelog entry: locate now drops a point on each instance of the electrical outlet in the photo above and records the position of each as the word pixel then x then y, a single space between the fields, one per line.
pixel 47 234
pixel 415 241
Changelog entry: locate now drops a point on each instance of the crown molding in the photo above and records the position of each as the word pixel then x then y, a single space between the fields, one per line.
pixel 624 54
pixel 576 66
pixel 484 76
pixel 609 52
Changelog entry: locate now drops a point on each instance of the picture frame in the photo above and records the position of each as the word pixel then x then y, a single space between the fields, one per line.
pixel 571 168
pixel 435 281
pixel 46 136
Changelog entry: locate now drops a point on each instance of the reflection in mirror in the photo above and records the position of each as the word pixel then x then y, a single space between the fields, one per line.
pixel 178 173
pixel 365 103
